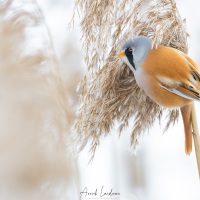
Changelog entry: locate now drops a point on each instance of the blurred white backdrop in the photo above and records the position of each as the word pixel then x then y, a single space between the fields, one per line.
pixel 161 170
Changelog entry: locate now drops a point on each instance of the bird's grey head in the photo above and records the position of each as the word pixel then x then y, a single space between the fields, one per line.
pixel 135 51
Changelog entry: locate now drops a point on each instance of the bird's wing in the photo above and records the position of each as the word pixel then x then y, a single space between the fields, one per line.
pixel 182 91
pixel 187 87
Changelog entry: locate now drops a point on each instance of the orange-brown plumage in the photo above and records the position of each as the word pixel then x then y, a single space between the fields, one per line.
pixel 168 76
pixel 172 69
pixel 186 115
pixel 165 66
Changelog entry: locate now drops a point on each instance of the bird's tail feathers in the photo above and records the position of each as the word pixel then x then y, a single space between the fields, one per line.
pixel 186 115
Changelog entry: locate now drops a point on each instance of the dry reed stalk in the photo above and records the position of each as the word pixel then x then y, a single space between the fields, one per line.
pixel 35 116
pixel 196 137
pixel 109 92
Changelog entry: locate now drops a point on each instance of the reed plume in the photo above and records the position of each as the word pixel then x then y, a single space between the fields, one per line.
pixel 109 93
pixel 35 113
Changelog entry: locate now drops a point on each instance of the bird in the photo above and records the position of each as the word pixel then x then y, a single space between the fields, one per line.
pixel 167 75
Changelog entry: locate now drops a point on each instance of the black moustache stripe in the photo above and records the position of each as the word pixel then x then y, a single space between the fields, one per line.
pixel 129 56
pixel 130 59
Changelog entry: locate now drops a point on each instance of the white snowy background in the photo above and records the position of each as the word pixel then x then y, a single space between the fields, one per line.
pixel 160 170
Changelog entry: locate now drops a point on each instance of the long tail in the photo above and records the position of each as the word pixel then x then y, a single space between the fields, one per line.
pixel 186 115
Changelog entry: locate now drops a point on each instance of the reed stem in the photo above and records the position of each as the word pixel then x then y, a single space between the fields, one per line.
pixel 196 137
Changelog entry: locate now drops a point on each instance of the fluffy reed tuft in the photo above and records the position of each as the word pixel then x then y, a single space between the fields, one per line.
pixel 109 92
pixel 35 116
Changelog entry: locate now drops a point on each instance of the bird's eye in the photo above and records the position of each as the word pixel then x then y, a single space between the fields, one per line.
pixel 130 49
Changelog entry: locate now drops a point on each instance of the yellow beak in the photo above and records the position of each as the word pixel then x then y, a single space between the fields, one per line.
pixel 121 54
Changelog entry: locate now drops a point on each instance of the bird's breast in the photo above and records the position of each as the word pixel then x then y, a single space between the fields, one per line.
pixel 141 79
pixel 154 91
